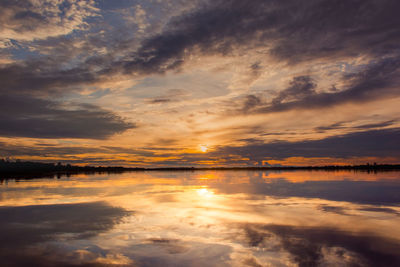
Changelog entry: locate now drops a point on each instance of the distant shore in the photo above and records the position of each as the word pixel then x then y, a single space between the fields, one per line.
pixel 26 169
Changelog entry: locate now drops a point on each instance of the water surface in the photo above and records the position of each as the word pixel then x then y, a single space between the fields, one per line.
pixel 202 218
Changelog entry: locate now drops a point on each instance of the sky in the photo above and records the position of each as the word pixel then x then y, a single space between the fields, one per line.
pixel 160 83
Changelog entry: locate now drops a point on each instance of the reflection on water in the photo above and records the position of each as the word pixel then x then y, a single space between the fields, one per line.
pixel 202 218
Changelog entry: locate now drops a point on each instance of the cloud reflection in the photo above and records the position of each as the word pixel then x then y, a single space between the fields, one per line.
pixel 232 218
pixel 27 232
pixel 324 246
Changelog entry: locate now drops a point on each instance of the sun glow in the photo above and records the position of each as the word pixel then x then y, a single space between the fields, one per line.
pixel 205 193
pixel 203 148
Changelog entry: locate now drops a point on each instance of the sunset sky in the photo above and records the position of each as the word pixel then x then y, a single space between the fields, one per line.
pixel 200 83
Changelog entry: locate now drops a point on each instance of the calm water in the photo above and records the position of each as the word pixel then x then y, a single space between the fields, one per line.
pixel 210 218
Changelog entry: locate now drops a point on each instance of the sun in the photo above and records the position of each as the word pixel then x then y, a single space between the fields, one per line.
pixel 203 148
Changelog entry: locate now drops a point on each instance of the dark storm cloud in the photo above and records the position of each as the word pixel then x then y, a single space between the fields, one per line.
pixel 32 117
pixel 219 26
pixel 50 75
pixel 378 80
pixel 42 77
pixel 308 245
pixel 294 31
pixel 378 143
pixel 323 28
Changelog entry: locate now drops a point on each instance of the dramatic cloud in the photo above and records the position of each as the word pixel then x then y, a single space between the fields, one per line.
pixel 300 88
pixel 29 20
pixel 90 69
pixel 315 246
pixel 221 26
pixel 62 218
pixel 377 81
pixel 31 117
pixel 369 143
pixel 42 77
pixel 293 31
pixel 24 227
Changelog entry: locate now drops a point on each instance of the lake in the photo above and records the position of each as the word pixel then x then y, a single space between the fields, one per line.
pixel 202 218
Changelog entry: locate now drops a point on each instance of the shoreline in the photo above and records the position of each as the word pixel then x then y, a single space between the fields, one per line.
pixel 30 170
